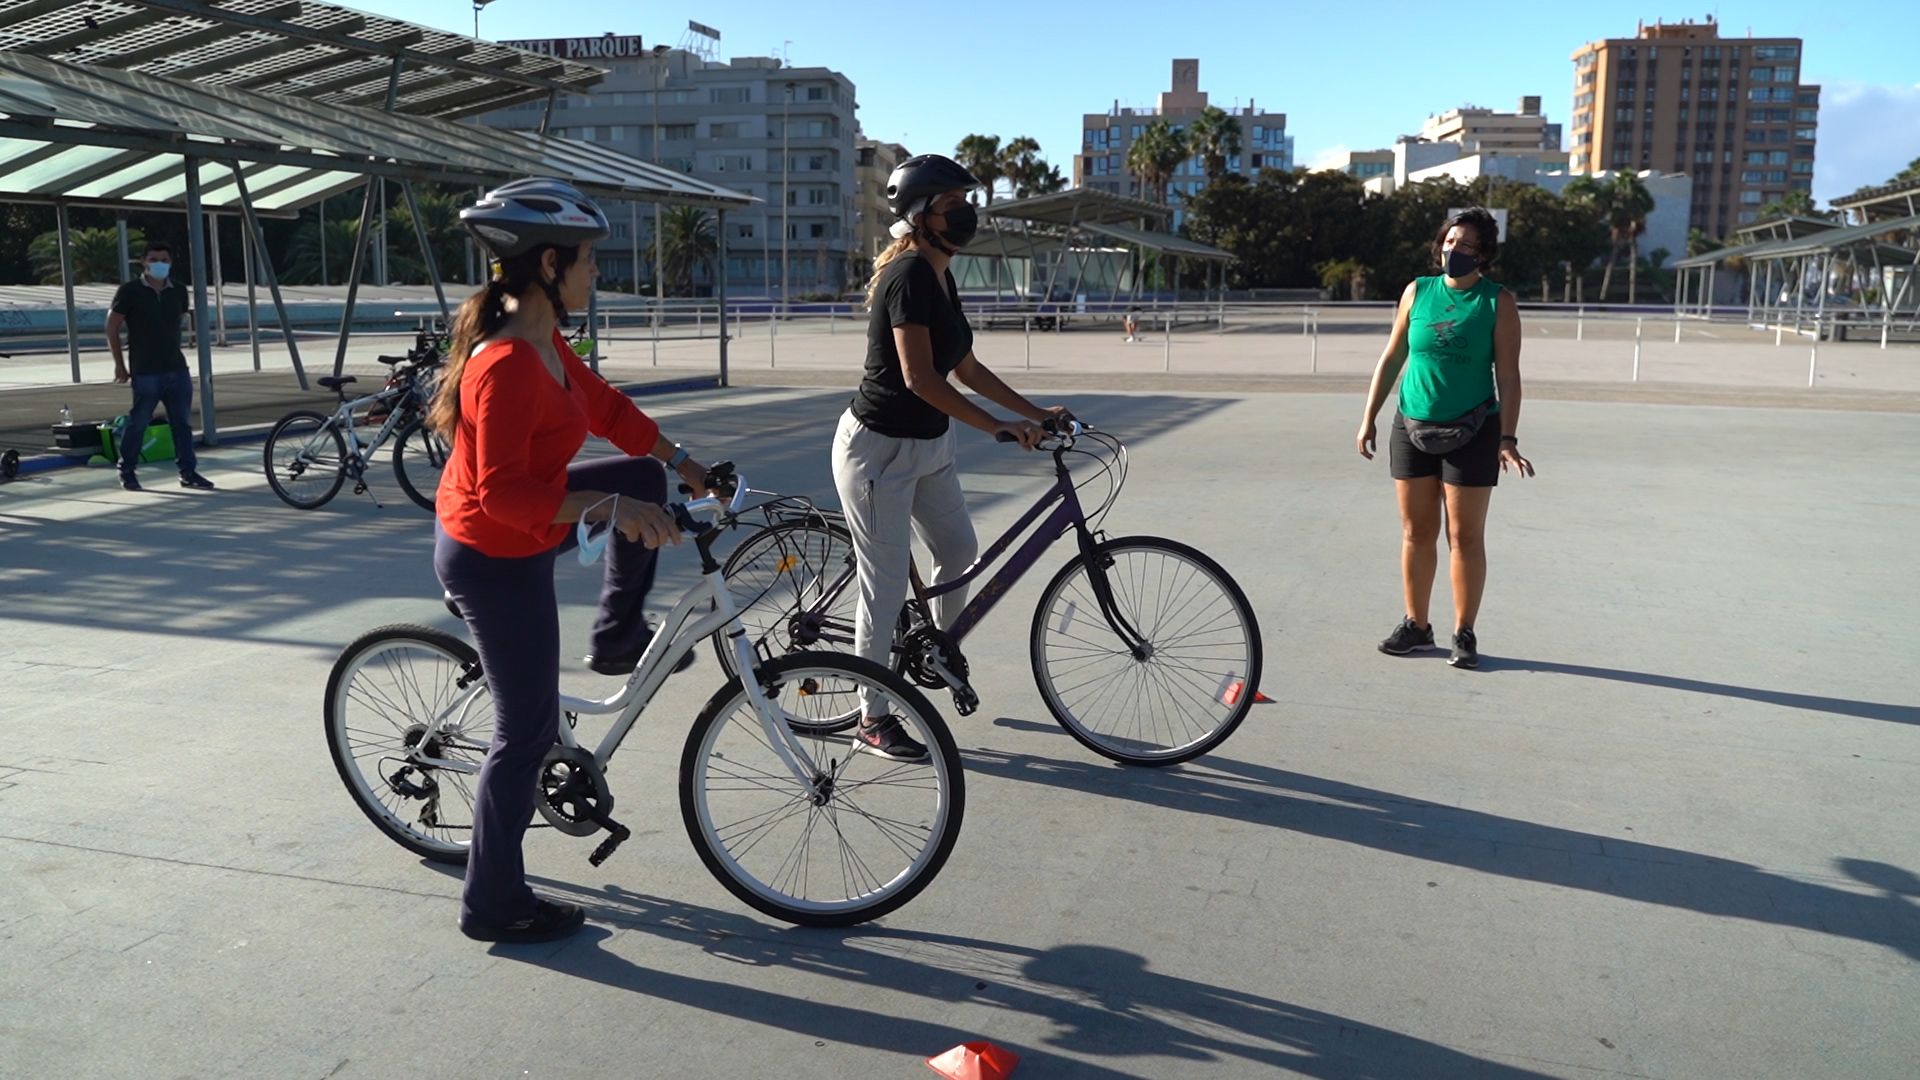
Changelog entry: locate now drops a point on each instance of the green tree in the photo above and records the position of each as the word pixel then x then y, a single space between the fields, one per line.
pixel 1793 204
pixel 1544 232
pixel 1215 136
pixel 95 254
pixel 19 224
pixel 1623 203
pixel 981 155
pixel 440 212
pixel 1026 172
pixel 304 250
pixel 1911 172
pixel 687 235
pixel 1155 155
pixel 1699 243
pixel 1344 279
pixel 1283 227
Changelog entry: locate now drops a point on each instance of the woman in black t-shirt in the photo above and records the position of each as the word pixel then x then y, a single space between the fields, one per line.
pixel 893 454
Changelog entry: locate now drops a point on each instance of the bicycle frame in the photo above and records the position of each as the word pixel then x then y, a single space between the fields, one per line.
pixel 1069 514
pixel 678 634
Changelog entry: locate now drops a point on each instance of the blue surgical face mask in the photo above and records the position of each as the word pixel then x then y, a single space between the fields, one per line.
pixel 1460 263
pixel 593 543
pixel 159 270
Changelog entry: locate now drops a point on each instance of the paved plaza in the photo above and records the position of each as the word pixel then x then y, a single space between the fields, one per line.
pixel 1666 831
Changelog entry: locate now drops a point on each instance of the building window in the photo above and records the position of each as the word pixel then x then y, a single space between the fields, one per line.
pixel 1774 52
pixel 816 93
pixel 1807 97
pixel 1756 135
pixel 727 130
pixel 743 230
pixel 1803 151
pixel 1777 176
pixel 1805 116
pixel 1803 133
pixel 1760 74
pixel 729 95
pixel 1750 198
pixel 1803 185
pixel 1755 157
pixel 676 132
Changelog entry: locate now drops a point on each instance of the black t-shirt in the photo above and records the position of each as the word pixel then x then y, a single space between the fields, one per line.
pixel 910 293
pixel 153 326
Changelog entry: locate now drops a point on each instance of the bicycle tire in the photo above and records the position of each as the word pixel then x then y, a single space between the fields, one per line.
pixel 306 426
pixel 456 655
pixel 1191 672
pixel 428 451
pixel 845 817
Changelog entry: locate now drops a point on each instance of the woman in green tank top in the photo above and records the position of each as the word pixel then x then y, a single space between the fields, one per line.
pixel 1455 349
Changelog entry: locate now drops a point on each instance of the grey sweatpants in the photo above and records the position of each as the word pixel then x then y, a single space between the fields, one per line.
pixel 891 489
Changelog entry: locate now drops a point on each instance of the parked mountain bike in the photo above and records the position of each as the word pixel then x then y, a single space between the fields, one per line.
pixel 1143 648
pixel 310 455
pixel 792 816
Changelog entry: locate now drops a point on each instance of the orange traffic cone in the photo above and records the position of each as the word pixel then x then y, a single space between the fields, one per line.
pixel 975 1061
pixel 1238 687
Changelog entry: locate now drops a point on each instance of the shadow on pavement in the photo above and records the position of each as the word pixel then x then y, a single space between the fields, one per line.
pixel 1866 710
pixel 1101 1002
pixel 1492 844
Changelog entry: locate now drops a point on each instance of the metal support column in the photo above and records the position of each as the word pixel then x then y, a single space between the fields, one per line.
pixel 197 251
pixel 258 241
pixel 253 295
pixel 219 281
pixel 356 268
pixel 720 293
pixel 126 256
pixel 426 249
pixel 66 283
pixel 593 326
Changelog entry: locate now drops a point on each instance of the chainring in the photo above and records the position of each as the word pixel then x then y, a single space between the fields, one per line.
pixel 922 647
pixel 572 790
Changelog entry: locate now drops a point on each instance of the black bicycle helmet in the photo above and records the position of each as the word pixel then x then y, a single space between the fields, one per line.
pixel 917 180
pixel 515 218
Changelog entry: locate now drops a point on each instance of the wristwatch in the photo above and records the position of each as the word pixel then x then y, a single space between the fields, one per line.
pixel 679 457
pixel 1514 439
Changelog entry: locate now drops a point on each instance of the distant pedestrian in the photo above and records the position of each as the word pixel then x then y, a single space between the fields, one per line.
pixel 1131 323
pixel 1457 427
pixel 151 310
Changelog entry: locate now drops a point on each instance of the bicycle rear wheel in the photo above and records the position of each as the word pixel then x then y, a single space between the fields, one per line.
pixel 306 459
pixel 863 836
pixel 1194 683
pixel 396 695
pixel 793 588
pixel 419 455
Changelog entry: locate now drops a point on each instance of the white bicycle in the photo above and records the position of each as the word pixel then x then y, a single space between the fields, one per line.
pixel 784 807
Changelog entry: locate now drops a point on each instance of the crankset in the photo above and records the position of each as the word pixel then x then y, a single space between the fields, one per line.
pixel 574 799
pixel 932 658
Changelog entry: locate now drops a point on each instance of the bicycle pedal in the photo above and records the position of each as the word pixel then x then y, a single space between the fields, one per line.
pixel 965 701
pixel 615 837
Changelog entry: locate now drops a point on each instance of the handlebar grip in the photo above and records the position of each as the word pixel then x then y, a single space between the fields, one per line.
pixel 1004 436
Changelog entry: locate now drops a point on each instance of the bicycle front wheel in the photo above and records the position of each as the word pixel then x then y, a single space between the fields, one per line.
pixel 418 458
pixel 403 702
pixel 1192 683
pixel 306 459
pixel 860 836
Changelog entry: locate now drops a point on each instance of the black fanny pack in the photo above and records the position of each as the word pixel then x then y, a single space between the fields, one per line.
pixel 1445 436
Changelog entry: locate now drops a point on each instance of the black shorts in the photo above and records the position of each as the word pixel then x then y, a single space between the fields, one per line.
pixel 1476 464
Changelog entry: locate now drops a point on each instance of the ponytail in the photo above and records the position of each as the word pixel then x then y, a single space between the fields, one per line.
pixel 893 251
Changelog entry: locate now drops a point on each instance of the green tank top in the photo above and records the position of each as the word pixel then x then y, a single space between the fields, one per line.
pixel 1449 349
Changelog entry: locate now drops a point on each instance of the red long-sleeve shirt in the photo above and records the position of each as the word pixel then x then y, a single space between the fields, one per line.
pixel 519 429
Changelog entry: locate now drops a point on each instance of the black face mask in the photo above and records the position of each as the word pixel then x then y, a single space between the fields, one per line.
pixel 1461 263
pixel 963 224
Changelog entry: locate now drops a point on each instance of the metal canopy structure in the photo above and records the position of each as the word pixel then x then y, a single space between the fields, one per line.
pixel 1077 223
pixel 320 53
pixel 1873 266
pixel 119 139
pixel 80 125
pixel 1884 201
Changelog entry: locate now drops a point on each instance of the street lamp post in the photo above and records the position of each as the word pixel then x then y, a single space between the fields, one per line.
pixel 786 192
pixel 659 242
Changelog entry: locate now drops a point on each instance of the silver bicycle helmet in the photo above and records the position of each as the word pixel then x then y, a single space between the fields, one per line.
pixel 515 218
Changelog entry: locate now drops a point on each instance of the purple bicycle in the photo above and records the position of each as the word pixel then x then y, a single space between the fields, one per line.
pixel 1143 648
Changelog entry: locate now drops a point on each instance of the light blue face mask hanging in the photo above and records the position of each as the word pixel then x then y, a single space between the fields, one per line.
pixel 593 545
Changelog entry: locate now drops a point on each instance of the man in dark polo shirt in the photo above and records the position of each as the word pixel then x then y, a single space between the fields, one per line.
pixel 151 309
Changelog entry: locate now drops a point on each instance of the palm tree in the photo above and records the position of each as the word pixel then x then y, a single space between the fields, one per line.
pixel 95 254
pixel 1597 199
pixel 1045 179
pixel 1155 155
pixel 981 155
pixel 440 212
pixel 303 253
pixel 1792 204
pixel 1019 161
pixel 688 237
pixel 1215 136
pixel 1699 243
pixel 1632 203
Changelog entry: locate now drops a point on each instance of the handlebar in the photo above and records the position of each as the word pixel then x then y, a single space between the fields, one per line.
pixel 1071 429
pixel 722 477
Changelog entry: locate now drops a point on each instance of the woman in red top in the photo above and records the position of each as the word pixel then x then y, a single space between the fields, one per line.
pixel 517 405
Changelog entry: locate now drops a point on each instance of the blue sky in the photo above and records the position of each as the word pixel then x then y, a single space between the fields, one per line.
pixel 1348 75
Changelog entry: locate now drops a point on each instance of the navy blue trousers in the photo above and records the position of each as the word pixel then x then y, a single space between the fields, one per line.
pixel 513 615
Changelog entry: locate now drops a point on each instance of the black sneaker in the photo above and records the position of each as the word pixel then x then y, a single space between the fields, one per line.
pixel 130 482
pixel 550 921
pixel 194 480
pixel 888 737
pixel 622 666
pixel 1466 649
pixel 1407 637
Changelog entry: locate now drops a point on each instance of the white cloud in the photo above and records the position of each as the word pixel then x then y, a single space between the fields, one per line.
pixel 1867 133
pixel 1333 157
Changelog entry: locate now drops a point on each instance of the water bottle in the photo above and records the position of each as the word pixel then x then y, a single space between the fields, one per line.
pixel 66 415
